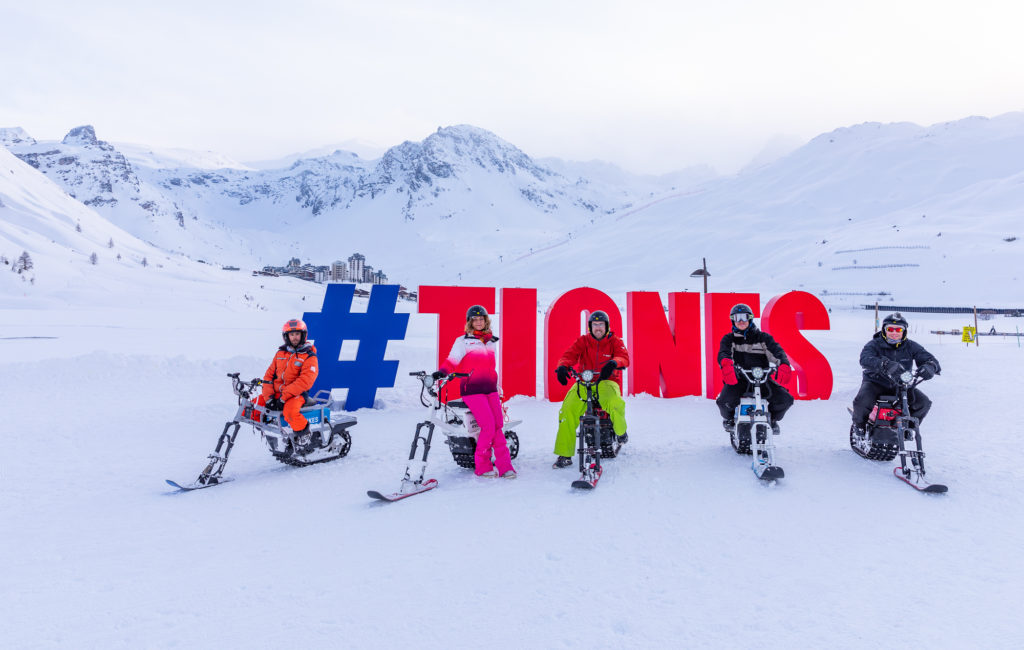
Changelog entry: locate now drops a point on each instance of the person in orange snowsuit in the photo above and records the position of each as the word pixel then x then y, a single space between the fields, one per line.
pixel 291 374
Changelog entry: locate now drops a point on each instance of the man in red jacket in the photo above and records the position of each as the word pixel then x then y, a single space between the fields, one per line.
pixel 601 351
pixel 290 376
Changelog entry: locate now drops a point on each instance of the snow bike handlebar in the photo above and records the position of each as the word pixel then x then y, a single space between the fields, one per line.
pixel 909 379
pixel 244 389
pixel 583 377
pixel 427 380
pixel 758 375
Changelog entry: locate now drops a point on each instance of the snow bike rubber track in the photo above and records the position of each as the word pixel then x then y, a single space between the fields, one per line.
pixel 467 461
pixel 291 460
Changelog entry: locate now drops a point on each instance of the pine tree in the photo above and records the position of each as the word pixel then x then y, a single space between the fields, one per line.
pixel 78 227
pixel 94 258
pixel 144 262
pixel 24 263
pixel 110 243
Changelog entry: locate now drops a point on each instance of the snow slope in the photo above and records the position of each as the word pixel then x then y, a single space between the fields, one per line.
pixel 927 215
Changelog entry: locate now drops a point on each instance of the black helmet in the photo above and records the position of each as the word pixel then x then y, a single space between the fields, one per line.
pixel 475 310
pixel 896 318
pixel 741 309
pixel 599 317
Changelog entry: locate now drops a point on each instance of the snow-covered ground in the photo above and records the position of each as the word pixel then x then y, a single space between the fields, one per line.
pixel 680 546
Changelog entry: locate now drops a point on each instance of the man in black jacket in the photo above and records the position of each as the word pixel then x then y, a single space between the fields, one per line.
pixel 885 357
pixel 748 347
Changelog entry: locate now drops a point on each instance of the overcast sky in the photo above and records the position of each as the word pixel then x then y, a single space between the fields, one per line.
pixel 651 86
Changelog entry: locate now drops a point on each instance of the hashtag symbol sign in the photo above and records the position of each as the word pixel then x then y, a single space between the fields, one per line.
pixel 336 323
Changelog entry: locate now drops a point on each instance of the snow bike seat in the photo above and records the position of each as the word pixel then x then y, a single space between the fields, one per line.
pixel 457 404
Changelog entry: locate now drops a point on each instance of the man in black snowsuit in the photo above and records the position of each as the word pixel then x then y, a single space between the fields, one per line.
pixel 885 357
pixel 748 347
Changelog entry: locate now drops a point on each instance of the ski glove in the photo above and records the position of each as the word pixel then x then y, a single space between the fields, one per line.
pixel 562 372
pixel 783 374
pixel 729 372
pixel 927 371
pixel 607 370
pixel 892 370
pixel 437 374
pixel 274 404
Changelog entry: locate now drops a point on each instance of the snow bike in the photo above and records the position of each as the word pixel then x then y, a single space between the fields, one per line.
pixel 461 431
pixel 752 417
pixel 456 420
pixel 595 434
pixel 328 437
pixel 889 428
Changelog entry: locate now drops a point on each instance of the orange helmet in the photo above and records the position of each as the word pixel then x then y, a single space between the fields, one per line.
pixel 294 325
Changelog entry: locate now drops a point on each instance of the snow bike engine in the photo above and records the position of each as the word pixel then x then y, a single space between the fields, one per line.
pixel 887 414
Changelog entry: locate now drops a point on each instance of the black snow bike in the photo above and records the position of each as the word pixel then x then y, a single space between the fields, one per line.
pixel 595 435
pixel 889 428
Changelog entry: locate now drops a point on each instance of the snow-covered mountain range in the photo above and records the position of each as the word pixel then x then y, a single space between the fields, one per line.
pixel 855 212
pixel 457 180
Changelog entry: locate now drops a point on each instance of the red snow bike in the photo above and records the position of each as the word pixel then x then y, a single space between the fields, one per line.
pixel 889 428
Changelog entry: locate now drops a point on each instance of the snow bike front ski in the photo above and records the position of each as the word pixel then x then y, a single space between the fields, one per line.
pixel 212 473
pixel 415 467
pixel 890 427
pixel 752 432
pixel 327 437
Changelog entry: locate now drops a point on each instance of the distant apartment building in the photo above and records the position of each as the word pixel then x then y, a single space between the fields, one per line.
pixel 339 271
pixel 356 267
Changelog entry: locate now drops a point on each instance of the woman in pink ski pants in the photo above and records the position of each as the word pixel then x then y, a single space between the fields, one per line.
pixel 475 353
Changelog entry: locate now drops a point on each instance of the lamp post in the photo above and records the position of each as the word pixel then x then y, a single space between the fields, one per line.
pixel 702 272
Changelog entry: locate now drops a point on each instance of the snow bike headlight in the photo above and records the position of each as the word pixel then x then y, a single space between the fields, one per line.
pixel 587 375
pixel 758 373
pixel 906 377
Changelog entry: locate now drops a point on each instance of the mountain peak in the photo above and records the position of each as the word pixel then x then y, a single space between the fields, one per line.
pixel 81 135
pixel 15 135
